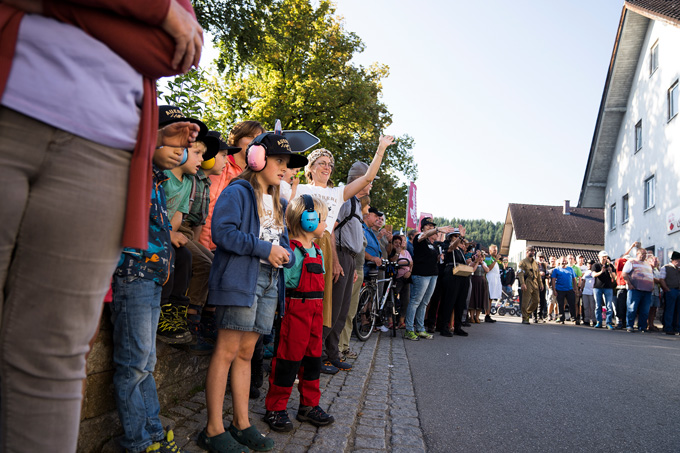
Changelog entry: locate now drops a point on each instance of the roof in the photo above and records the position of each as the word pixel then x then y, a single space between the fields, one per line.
pixel 635 19
pixel 540 223
pixel 558 251
pixel 664 10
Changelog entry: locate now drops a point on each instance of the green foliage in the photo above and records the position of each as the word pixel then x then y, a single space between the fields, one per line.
pixel 299 70
pixel 485 232
pixel 237 27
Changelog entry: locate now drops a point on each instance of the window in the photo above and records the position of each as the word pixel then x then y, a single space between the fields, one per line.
pixel 624 209
pixel 638 136
pixel 612 216
pixel 650 192
pixel 673 101
pixel 654 58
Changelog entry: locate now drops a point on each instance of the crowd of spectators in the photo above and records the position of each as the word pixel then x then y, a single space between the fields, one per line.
pixel 225 252
pixel 626 293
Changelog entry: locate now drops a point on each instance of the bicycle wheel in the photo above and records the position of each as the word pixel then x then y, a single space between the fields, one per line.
pixel 365 317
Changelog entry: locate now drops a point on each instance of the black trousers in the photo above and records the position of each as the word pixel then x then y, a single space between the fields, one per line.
pixel 175 289
pixel 571 300
pixel 454 293
pixel 435 300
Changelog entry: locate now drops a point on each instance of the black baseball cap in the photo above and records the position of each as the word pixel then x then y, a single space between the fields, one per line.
pixel 277 145
pixel 375 211
pixel 216 138
pixel 168 114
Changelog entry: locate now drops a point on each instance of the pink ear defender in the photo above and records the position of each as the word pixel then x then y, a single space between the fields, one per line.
pixel 256 158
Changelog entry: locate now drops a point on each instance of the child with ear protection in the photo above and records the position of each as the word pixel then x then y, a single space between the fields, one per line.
pixel 214 161
pixel 246 285
pixel 298 348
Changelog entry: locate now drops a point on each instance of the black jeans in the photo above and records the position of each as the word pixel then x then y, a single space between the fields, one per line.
pixel 175 289
pixel 621 307
pixel 571 300
pixel 454 293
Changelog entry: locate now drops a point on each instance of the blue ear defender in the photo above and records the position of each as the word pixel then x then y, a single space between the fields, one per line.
pixel 185 156
pixel 310 218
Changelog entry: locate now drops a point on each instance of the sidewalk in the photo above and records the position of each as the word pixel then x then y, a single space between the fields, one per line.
pixel 373 404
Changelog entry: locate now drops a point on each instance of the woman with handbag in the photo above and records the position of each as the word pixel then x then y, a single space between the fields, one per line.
pixel 456 285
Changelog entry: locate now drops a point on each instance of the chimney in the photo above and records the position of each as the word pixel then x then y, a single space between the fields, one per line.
pixel 565 210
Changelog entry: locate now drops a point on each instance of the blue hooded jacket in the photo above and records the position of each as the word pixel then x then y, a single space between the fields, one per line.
pixel 236 232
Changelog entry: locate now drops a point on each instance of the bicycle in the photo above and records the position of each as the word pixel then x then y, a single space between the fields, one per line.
pixel 372 307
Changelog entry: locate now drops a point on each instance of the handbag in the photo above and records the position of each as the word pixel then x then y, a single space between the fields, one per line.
pixel 461 270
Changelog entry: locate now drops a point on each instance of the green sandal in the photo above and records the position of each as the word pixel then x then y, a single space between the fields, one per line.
pixel 251 438
pixel 222 443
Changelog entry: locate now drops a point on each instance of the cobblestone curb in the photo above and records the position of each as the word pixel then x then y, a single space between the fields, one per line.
pixel 373 404
pixel 388 420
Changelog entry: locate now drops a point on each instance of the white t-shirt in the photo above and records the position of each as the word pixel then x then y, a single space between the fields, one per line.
pixel 269 230
pixel 589 281
pixel 285 190
pixel 333 196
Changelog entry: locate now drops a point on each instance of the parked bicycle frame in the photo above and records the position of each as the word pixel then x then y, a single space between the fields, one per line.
pixel 372 307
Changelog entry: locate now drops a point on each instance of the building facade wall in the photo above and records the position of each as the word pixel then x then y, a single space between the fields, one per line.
pixel 658 156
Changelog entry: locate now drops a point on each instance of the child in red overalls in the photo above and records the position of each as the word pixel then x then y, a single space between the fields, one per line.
pixel 299 339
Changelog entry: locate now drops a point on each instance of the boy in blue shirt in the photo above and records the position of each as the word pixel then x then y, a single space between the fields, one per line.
pixel 135 310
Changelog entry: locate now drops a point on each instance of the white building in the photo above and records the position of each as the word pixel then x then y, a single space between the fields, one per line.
pixel 633 169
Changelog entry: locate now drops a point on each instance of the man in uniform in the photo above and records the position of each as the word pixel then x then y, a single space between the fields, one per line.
pixel 530 282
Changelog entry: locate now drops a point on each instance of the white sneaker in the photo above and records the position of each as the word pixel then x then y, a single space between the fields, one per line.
pixel 384 329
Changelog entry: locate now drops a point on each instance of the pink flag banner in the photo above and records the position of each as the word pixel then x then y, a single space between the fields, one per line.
pixel 422 216
pixel 412 207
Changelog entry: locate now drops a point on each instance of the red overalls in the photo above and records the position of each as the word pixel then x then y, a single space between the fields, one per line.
pixel 299 347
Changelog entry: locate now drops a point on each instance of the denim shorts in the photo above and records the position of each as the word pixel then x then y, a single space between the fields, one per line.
pixel 259 317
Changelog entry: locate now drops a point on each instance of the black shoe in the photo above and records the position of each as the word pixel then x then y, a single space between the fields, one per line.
pixel 467 324
pixel 488 318
pixel 446 333
pixel 314 415
pixel 460 332
pixel 278 421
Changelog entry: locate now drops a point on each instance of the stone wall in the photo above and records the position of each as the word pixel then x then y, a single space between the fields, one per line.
pixel 177 374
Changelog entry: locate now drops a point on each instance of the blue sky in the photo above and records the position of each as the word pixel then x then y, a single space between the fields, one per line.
pixel 501 97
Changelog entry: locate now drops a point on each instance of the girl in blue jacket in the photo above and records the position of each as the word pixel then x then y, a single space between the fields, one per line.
pixel 252 247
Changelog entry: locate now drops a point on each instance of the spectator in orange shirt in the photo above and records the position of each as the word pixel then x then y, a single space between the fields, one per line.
pixel 241 135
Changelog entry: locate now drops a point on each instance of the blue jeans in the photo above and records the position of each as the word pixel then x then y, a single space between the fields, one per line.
pixel 421 292
pixel 134 313
pixel 672 311
pixel 608 295
pixel 638 300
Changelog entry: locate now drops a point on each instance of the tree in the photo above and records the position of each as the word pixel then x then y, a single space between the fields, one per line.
pixel 302 74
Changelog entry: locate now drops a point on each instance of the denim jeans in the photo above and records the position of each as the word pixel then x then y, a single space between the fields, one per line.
pixel 672 312
pixel 638 301
pixel 421 291
pixel 134 313
pixel 606 296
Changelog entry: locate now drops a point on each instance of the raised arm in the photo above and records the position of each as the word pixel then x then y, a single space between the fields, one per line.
pixel 355 186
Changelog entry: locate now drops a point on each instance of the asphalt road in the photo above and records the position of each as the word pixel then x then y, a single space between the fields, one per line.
pixel 547 388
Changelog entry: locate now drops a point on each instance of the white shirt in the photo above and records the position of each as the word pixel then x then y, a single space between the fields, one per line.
pixel 269 230
pixel 333 196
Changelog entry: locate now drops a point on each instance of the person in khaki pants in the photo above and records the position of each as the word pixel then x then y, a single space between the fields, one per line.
pixel 530 283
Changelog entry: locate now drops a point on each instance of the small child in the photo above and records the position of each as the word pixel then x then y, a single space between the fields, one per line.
pixel 249 230
pixel 214 162
pixel 135 310
pixel 299 344
pixel 172 327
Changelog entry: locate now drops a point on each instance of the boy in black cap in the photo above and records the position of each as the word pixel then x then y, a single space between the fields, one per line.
pixel 135 310
pixel 214 161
